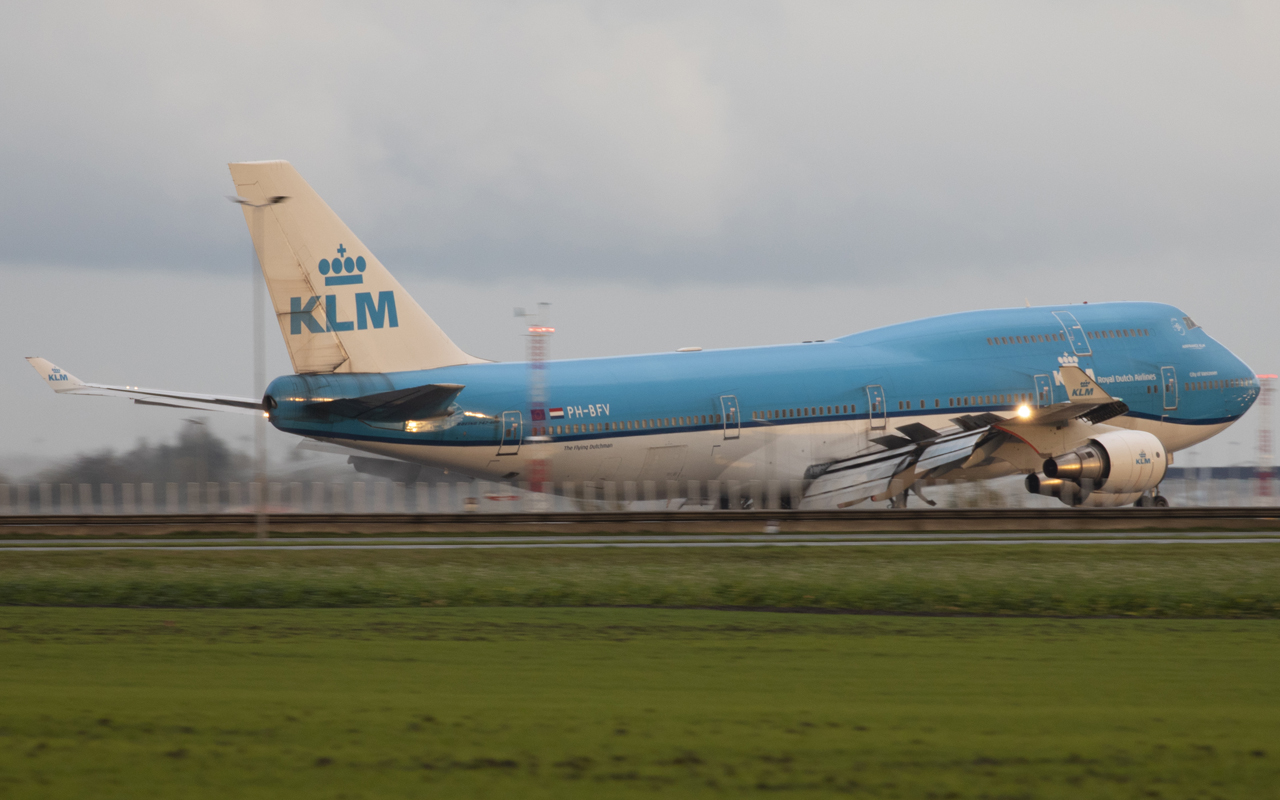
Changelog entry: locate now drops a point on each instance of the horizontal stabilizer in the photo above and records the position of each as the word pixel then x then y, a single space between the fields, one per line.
pixel 64 382
pixel 400 405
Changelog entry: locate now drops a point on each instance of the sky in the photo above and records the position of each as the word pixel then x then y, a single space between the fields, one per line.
pixel 665 174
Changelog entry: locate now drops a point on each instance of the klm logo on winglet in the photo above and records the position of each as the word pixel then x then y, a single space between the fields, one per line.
pixel 381 313
pixel 57 375
pixel 1084 390
pixel 352 267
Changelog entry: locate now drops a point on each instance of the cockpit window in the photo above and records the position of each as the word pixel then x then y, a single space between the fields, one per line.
pixel 1189 323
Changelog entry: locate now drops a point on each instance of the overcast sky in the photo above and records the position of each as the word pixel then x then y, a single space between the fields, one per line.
pixel 665 174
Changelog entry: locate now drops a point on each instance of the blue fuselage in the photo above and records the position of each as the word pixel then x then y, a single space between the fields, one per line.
pixel 1149 355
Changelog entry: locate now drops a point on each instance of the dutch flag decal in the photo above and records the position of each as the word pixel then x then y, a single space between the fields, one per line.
pixel 556 413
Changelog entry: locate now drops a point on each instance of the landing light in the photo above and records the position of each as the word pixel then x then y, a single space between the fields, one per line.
pixel 1024 412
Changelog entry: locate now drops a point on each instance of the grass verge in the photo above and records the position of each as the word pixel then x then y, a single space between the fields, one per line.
pixel 1210 580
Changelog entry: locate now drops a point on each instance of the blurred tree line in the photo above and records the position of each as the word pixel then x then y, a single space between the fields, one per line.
pixel 199 455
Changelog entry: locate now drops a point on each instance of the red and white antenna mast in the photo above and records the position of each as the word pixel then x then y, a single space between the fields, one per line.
pixel 539 342
pixel 1265 452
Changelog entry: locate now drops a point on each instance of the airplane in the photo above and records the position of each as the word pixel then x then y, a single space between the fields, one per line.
pixel 1089 401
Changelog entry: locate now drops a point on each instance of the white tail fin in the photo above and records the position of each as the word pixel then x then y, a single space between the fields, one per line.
pixel 339 309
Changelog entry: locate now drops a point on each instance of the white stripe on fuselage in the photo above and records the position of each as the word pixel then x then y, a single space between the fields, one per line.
pixel 778 452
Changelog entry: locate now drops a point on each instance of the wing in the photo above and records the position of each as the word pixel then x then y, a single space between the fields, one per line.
pixel 64 382
pixel 845 483
pixel 903 459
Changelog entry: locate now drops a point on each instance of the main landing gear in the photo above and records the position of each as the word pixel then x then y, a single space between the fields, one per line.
pixel 900 500
pixel 1152 500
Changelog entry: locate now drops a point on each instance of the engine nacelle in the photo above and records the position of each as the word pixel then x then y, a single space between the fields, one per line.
pixel 1118 462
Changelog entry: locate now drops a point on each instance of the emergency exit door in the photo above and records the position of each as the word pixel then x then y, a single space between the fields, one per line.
pixel 512 432
pixel 1044 391
pixel 732 419
pixel 875 401
pixel 1169 378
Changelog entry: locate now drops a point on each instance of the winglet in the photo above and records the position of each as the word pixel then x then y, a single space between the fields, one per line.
pixel 1081 388
pixel 58 379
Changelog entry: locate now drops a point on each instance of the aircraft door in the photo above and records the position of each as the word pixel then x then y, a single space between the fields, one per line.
pixel 1044 391
pixel 1075 334
pixel 1169 377
pixel 732 422
pixel 512 433
pixel 875 401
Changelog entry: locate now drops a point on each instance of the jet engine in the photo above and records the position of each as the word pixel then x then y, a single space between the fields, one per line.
pixel 1115 463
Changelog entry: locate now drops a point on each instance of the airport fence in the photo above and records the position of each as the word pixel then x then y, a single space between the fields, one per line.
pixel 1190 489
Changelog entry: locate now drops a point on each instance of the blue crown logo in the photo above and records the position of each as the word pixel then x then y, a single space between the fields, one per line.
pixel 353 267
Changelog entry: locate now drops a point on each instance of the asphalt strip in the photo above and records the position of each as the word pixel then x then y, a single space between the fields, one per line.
pixel 659 544
pixel 765 538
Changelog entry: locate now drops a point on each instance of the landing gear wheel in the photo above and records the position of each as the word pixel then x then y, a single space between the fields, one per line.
pixel 1151 501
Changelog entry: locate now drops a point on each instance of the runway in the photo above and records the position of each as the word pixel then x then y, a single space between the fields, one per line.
pixel 1025 522
pixel 630 541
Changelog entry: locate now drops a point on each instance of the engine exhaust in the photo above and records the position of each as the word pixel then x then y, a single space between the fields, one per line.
pixel 1067 491
pixel 1084 463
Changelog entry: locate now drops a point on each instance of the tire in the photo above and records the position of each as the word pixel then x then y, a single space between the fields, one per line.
pixel 1161 501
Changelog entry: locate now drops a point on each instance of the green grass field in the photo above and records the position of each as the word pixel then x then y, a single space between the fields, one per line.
pixel 483 702
pixel 1085 671
pixel 1227 580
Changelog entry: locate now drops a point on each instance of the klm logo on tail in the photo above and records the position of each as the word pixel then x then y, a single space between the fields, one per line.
pixel 379 314
pixel 57 375
pixel 343 271
pixel 353 267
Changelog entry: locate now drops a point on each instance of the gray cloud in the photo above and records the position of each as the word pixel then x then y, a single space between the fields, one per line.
pixel 841 141
pixel 666 174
